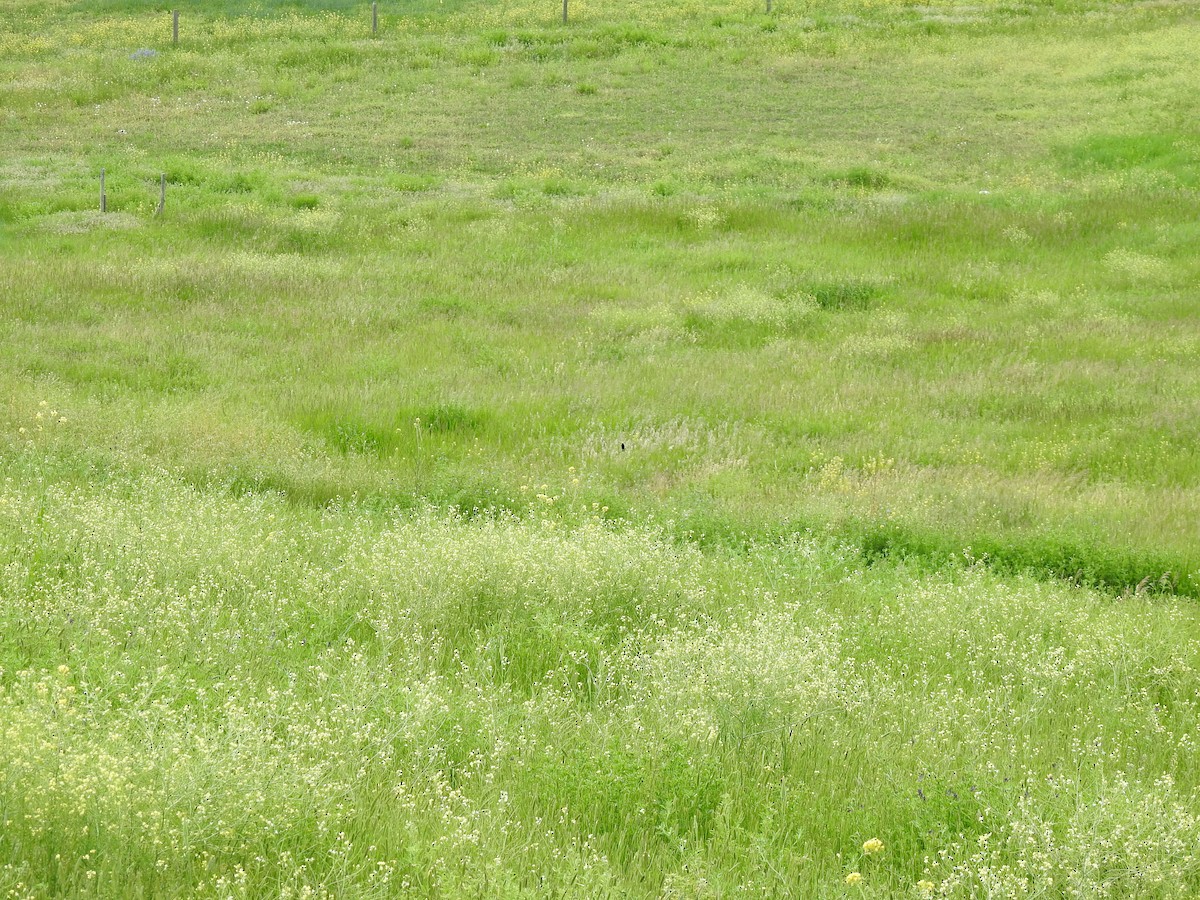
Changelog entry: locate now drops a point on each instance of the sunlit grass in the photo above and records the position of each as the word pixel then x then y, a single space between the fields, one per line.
pixel 265 699
pixel 656 456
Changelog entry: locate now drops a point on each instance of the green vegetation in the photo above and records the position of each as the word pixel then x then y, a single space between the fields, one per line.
pixel 650 457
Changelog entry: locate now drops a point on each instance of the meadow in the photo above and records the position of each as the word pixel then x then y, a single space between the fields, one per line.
pixel 690 451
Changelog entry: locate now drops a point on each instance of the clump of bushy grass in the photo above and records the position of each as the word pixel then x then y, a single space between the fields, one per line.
pixel 745 304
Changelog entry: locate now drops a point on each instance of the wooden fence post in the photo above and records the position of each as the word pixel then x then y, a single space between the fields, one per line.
pixel 175 27
pixel 564 12
pixel 374 18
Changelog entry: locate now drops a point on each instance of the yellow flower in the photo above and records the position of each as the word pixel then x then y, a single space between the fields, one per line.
pixel 925 887
pixel 873 846
pixel 64 669
pixel 854 878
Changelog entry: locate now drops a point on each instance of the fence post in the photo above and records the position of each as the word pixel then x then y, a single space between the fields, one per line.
pixel 564 12
pixel 175 27
pixel 374 18
pixel 103 197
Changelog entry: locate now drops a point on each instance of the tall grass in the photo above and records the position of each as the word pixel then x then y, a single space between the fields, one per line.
pixel 668 455
pixel 261 700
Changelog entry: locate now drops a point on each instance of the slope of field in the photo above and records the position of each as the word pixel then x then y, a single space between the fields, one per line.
pixel 920 274
pixel 647 456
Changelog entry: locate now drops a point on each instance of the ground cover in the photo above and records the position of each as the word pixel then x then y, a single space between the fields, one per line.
pixel 221 696
pixel 639 456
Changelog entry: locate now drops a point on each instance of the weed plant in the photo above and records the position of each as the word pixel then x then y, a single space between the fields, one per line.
pixel 236 696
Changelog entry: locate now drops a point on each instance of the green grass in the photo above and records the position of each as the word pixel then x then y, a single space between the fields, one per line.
pixel 844 245
pixel 716 425
pixel 262 698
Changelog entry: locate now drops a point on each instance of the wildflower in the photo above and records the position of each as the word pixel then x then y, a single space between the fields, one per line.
pixel 64 669
pixel 925 887
pixel 854 878
pixel 873 846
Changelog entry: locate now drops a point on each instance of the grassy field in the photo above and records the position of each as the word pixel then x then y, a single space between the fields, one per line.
pixel 651 456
